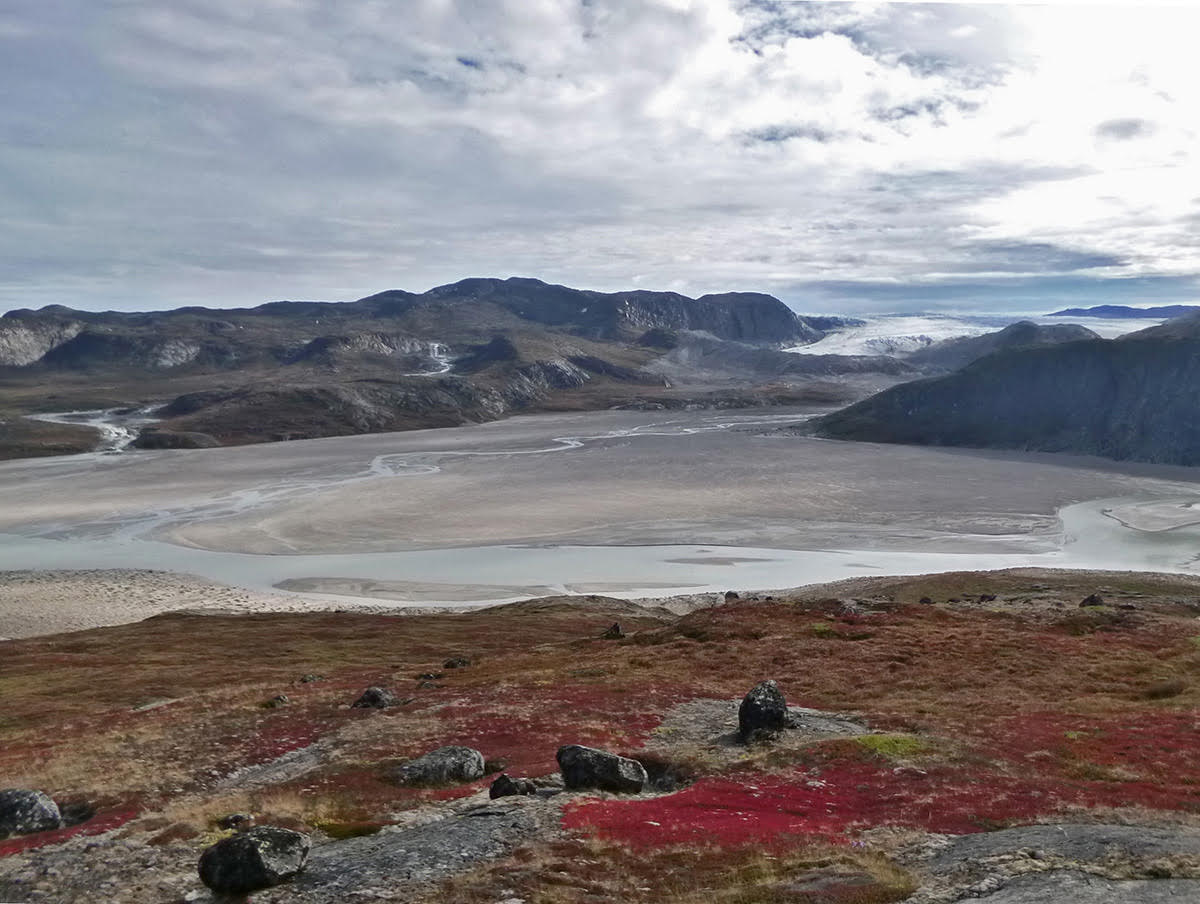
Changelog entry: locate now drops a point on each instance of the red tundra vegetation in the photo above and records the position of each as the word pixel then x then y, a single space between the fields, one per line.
pixel 999 702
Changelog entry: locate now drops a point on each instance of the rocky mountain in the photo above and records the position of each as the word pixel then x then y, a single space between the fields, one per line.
pixel 385 324
pixel 1130 398
pixel 469 351
pixel 951 354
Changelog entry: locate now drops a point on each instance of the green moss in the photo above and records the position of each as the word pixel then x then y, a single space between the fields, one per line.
pixel 894 746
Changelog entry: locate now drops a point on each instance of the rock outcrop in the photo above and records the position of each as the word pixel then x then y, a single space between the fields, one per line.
pixel 259 858
pixel 23 812
pixel 763 710
pixel 505 786
pixel 587 767
pixel 444 766
pixel 375 698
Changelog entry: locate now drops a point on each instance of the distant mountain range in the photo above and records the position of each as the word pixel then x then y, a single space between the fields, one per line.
pixel 480 349
pixel 1124 312
pixel 1137 397
pixel 470 351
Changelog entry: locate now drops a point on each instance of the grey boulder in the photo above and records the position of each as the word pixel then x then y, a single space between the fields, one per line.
pixel 256 859
pixel 375 698
pixel 509 787
pixel 23 812
pixel 763 710
pixel 587 767
pixel 444 766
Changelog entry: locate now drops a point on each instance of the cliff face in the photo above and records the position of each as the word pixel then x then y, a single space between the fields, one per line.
pixel 1135 398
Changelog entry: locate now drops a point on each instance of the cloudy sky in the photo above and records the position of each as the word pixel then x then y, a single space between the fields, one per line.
pixel 852 157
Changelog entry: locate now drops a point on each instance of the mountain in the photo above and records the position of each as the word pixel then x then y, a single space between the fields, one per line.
pixel 1130 398
pixel 951 354
pixel 1124 312
pixel 468 351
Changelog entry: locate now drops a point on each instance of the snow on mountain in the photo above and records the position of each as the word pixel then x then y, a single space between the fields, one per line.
pixel 902 334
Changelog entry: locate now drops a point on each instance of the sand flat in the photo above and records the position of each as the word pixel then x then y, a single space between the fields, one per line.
pixel 456 515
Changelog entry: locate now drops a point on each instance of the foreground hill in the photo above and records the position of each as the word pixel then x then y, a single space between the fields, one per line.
pixel 1131 398
pixel 948 733
pixel 471 351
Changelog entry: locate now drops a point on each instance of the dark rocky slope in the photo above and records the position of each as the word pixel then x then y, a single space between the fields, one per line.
pixel 1133 398
pixel 471 351
pixel 951 354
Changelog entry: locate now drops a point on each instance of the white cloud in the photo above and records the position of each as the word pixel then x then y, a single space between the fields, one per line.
pixel 225 151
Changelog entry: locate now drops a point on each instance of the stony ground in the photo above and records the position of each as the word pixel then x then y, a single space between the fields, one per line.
pixel 974 735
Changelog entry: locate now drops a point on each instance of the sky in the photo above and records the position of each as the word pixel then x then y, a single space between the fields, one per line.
pixel 853 157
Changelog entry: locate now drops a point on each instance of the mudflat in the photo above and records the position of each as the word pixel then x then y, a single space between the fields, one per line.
pixel 602 478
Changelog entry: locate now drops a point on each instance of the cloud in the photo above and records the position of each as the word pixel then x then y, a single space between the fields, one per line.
pixel 223 152
pixel 1124 129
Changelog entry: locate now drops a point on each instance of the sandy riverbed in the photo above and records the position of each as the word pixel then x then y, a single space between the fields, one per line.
pixel 477 514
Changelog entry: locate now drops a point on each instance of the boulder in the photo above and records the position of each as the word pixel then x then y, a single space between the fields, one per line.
pixel 375 698
pixel 508 787
pixel 613 633
pixel 586 767
pixel 458 662
pixel 443 766
pixel 763 710
pixel 23 812
pixel 258 858
pixel 1092 599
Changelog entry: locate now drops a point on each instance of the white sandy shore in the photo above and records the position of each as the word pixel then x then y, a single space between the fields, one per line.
pixel 37 603
pixel 33 603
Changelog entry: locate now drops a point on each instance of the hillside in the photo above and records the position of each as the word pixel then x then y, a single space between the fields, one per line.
pixel 471 351
pixel 1131 398
pixel 952 354
pixel 946 733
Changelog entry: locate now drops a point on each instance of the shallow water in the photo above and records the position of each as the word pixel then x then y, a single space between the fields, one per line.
pixel 1091 540
pixel 99 533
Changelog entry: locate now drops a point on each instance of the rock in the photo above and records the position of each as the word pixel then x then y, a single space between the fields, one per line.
pixel 239 822
pixel 23 812
pixel 430 676
pixel 763 710
pixel 732 595
pixel 310 678
pixel 925 601
pixel 443 766
pixel 1092 599
pixel 255 859
pixel 277 701
pixel 494 765
pixel 458 662
pixel 75 813
pixel 987 597
pixel 613 633
pixel 508 787
pixel 375 698
pixel 586 767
